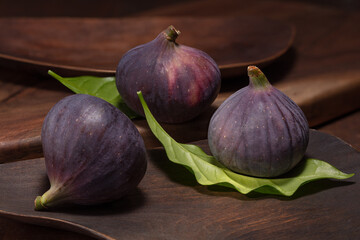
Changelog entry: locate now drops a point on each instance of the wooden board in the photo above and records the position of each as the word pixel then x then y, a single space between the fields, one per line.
pixel 169 204
pixel 95 46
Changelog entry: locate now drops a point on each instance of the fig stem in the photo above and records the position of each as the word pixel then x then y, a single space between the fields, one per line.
pixel 257 78
pixel 172 33
pixel 50 198
pixel 38 205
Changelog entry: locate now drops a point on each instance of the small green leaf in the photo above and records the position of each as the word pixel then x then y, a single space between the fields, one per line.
pixel 209 171
pixel 102 87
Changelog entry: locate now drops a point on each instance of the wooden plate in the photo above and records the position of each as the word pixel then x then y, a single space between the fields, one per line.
pixel 169 204
pixel 74 46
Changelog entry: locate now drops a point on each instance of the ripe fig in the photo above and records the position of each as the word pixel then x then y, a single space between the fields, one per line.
pixel 93 153
pixel 258 131
pixel 178 82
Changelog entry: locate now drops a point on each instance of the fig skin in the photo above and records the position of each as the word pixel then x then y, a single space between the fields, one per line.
pixel 178 82
pixel 258 131
pixel 93 153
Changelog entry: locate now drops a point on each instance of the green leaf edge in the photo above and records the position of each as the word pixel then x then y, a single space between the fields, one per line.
pixel 197 154
pixel 116 101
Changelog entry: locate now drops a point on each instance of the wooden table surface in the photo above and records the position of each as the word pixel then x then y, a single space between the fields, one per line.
pixel 327 46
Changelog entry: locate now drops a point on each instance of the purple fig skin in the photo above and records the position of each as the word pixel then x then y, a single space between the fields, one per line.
pixel 178 82
pixel 93 153
pixel 258 131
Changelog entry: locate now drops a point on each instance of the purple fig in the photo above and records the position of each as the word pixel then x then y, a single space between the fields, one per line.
pixel 178 82
pixel 93 153
pixel 258 131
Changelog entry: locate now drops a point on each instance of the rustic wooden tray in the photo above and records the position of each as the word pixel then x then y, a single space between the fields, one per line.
pixel 94 46
pixel 169 204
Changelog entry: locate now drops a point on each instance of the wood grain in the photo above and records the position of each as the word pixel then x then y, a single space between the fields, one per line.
pixel 346 128
pixel 95 46
pixel 21 117
pixel 169 204
pixel 12 229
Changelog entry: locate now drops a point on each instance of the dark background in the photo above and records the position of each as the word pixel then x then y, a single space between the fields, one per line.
pixel 115 8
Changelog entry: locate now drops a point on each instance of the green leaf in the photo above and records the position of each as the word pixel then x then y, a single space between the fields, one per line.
pixel 102 87
pixel 208 171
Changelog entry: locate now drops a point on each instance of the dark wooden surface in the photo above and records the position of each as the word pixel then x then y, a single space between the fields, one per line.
pixel 323 63
pixel 77 44
pixel 169 204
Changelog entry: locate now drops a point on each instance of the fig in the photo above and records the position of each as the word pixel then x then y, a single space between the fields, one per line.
pixel 178 82
pixel 258 131
pixel 93 153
